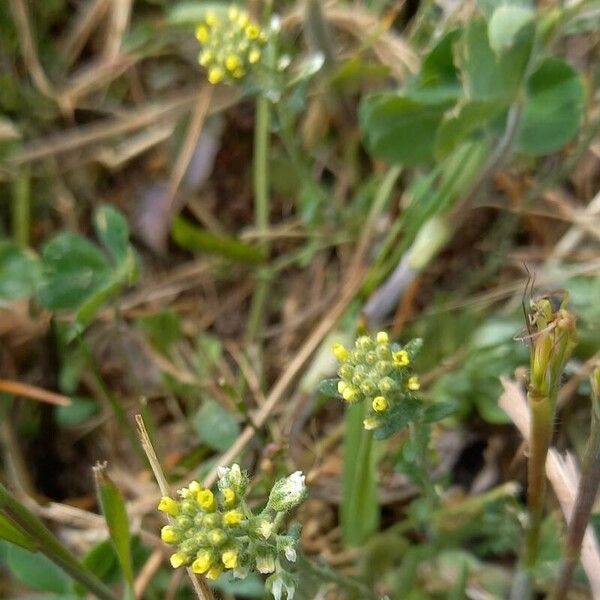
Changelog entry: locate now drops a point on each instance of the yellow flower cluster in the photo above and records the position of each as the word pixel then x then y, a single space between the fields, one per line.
pixel 217 531
pixel 376 371
pixel 231 44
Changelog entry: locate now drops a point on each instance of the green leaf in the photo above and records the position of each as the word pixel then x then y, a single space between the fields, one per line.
pixel 191 13
pixel 194 238
pixel 438 411
pixel 400 129
pixel 216 426
pixel 74 269
pixel 439 79
pixel 78 412
pixel 359 511
pixel 112 230
pixel 486 75
pixel 328 388
pixel 19 271
pixel 398 417
pixel 114 511
pixel 506 25
pixel 463 121
pixel 36 571
pixel 13 534
pixel 554 108
pixel 102 561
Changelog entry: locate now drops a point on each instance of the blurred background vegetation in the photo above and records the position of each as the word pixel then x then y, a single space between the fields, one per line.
pixel 421 162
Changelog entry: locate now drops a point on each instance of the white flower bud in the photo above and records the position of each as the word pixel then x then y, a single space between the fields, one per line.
pixel 287 493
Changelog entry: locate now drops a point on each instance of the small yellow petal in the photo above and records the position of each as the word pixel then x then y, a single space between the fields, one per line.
pixel 211 19
pixel 254 56
pixel 229 497
pixel 349 394
pixel 382 337
pixel 177 560
pixel 340 352
pixel 413 383
pixel 233 517
pixel 206 500
pixel 401 358
pixel 205 57
pixel 203 562
pixel 214 572
pixel 252 31
pixel 232 62
pixel 230 559
pixel 168 535
pixel 169 506
pixel 202 34
pixel 215 75
pixel 380 404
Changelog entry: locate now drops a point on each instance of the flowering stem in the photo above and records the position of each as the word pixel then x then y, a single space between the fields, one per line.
pixel 542 421
pixel 203 592
pixel 359 512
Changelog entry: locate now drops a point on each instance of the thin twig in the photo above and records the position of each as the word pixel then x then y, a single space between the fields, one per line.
pixel 198 583
pixel 31 391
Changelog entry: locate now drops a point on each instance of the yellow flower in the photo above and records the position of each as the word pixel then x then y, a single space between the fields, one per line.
pixel 233 517
pixel 252 31
pixel 230 558
pixel 349 394
pixel 413 383
pixel 202 34
pixel 215 75
pixel 177 560
pixel 341 386
pixel 205 57
pixel 211 19
pixel 340 352
pixel 401 358
pixel 232 62
pixel 382 337
pixel 203 562
pixel 228 497
pixel 168 535
pixel 380 404
pixel 214 572
pixel 169 506
pixel 206 500
pixel 254 56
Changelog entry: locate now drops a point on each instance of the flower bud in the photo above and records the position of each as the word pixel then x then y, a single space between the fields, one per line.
pixel 169 535
pixel 287 493
pixel 177 560
pixel 413 383
pixel 169 506
pixel 265 562
pixel 203 561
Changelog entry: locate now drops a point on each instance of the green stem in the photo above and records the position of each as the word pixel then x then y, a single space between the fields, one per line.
pixel 322 572
pixel 542 420
pixel 261 211
pixel 359 509
pixel 21 209
pixel 48 545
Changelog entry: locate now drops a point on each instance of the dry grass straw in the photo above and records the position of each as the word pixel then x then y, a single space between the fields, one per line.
pixel 563 474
